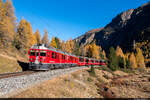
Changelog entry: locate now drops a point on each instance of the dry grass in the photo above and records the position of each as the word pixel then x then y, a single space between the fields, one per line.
pixel 75 85
pixel 8 60
pixel 8 65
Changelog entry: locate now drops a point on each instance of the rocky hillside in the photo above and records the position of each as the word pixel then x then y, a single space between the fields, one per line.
pixel 88 37
pixel 128 26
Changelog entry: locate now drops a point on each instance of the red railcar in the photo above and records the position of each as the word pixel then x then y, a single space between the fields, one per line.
pixel 42 57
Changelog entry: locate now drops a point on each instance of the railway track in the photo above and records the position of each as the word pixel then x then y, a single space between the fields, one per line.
pixel 13 85
pixel 8 75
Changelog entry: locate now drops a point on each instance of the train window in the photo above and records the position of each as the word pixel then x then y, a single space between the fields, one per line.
pixel 87 60
pixel 58 56
pixel 53 55
pixel 48 54
pixel 43 53
pixel 37 53
pixel 64 58
pixel 92 61
pixel 71 58
pixel 81 59
pixel 32 53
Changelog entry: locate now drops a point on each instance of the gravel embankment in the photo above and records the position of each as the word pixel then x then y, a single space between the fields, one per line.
pixel 10 86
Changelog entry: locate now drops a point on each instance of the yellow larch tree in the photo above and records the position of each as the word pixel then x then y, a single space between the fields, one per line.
pixel 132 60
pixel 95 51
pixel 119 52
pixel 45 39
pixel 139 58
pixel 30 35
pixel 25 37
pixel 88 51
pixel 92 51
pixel 63 47
pixel 53 43
pixel 38 37
pixel 104 54
pixel 69 46
pixel 7 23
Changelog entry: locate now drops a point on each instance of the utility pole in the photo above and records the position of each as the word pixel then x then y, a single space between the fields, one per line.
pixel 134 44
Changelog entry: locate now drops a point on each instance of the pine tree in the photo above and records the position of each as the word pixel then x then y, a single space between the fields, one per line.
pixel 38 37
pixel 112 63
pixel 132 60
pixel 128 64
pixel 45 39
pixel 121 62
pixel 139 58
pixel 58 42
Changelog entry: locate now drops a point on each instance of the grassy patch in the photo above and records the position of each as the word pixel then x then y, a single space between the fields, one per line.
pixel 8 65
pixel 89 79
pixel 92 71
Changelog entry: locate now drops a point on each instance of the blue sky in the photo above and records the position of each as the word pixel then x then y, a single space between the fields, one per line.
pixel 70 18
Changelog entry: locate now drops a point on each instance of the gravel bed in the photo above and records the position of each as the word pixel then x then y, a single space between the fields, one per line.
pixel 12 84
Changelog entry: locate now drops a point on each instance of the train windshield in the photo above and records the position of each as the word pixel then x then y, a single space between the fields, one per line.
pixel 42 53
pixel 32 52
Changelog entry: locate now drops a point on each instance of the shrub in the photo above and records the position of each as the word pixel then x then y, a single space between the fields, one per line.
pixel 128 64
pixel 89 79
pixel 121 62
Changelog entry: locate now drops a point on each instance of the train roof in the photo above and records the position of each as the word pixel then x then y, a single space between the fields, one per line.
pixel 45 47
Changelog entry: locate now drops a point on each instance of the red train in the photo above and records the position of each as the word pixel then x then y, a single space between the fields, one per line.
pixel 42 57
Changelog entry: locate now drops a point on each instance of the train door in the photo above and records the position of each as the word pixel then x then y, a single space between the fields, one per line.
pixel 53 57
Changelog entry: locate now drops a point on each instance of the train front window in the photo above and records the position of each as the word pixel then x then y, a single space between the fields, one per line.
pixel 32 53
pixel 37 53
pixel 43 53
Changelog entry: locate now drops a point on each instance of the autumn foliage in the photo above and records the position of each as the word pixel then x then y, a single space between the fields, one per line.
pixel 7 23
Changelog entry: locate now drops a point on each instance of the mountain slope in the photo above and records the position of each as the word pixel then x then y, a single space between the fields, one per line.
pixel 125 28
pixel 88 37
